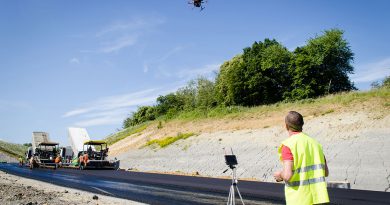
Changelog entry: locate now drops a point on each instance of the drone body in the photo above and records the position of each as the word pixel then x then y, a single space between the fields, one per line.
pixel 198 3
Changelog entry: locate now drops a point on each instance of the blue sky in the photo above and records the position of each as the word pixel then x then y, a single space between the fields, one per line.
pixel 90 63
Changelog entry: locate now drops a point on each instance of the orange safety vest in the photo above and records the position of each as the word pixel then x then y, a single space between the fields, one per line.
pixel 85 158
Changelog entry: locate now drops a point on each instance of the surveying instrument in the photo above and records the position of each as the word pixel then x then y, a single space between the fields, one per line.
pixel 231 161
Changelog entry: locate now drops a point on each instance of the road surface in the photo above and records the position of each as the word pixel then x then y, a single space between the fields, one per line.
pixel 154 188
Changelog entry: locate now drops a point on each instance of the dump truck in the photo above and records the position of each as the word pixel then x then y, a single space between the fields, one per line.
pixel 43 152
pixel 37 138
pixel 77 136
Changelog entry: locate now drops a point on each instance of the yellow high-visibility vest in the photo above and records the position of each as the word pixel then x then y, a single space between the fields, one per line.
pixel 307 185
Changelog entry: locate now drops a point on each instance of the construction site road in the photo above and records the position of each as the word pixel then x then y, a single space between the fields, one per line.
pixel 152 188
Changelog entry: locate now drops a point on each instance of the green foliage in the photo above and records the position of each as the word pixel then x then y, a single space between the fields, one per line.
pixel 264 73
pixel 230 82
pixel 215 112
pixel 13 150
pixel 342 99
pixel 111 139
pixel 205 95
pixel 197 94
pixel 386 82
pixel 169 140
pixel 187 96
pixel 321 67
pixel 143 114
pixel 159 126
pixel 169 104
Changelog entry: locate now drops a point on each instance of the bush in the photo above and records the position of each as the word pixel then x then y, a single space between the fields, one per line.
pixel 169 140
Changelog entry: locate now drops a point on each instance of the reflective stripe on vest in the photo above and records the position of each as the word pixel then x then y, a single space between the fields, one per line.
pixel 310 168
pixel 305 182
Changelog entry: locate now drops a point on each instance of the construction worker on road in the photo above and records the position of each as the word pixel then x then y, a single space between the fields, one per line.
pixel 304 165
pixel 83 159
pixel 58 160
pixel 21 161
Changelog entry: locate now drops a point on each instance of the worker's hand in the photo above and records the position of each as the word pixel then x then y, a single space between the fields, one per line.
pixel 278 176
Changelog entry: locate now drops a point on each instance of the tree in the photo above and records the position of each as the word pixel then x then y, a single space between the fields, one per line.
pixel 143 114
pixel 258 76
pixel 322 66
pixel 169 103
pixel 187 95
pixel 386 82
pixel 205 96
pixel 230 83
pixel 375 85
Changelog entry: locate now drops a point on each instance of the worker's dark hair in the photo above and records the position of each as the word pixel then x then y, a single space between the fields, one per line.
pixel 294 121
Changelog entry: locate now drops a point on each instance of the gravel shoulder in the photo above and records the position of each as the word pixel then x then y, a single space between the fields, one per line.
pixel 19 190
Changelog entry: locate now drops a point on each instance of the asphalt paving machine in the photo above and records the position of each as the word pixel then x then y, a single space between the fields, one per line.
pixel 95 156
pixel 45 155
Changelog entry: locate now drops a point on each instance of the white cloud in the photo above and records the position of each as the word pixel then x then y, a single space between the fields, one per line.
pixel 170 53
pixel 106 120
pixel 77 112
pixel 372 71
pixel 206 70
pixel 134 24
pixel 119 35
pixel 74 61
pixel 118 44
pixel 113 109
pixel 114 102
pixel 157 62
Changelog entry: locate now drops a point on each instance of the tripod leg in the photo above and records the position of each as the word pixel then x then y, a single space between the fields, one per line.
pixel 230 195
pixel 239 194
pixel 233 196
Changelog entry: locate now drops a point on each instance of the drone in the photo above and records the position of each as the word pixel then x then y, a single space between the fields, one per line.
pixel 198 3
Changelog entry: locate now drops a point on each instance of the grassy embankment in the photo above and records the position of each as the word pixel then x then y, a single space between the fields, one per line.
pixel 376 99
pixel 113 138
pixel 12 150
pixel 323 105
pixel 169 140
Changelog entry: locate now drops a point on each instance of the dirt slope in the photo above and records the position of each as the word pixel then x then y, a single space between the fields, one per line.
pixel 355 137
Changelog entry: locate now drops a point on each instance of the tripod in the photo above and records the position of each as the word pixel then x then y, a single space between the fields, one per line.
pixel 231 197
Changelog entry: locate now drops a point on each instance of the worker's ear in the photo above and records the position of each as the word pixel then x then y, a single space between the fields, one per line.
pixel 287 128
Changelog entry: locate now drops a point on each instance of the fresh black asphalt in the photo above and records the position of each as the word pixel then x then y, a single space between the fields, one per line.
pixel 154 188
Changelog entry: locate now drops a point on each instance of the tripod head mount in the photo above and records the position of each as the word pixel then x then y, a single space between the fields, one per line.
pixel 231 161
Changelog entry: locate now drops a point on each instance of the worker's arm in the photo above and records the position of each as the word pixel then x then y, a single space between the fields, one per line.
pixel 286 173
pixel 326 168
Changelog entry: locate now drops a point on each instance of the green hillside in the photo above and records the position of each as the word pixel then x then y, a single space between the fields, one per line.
pixel 13 150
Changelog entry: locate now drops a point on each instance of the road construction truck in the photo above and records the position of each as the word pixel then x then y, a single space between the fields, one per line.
pixel 94 156
pixel 42 153
pixel 87 153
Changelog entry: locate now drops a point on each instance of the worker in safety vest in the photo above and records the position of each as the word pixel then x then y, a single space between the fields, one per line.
pixel 304 165
pixel 83 159
pixel 57 159
pixel 21 161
